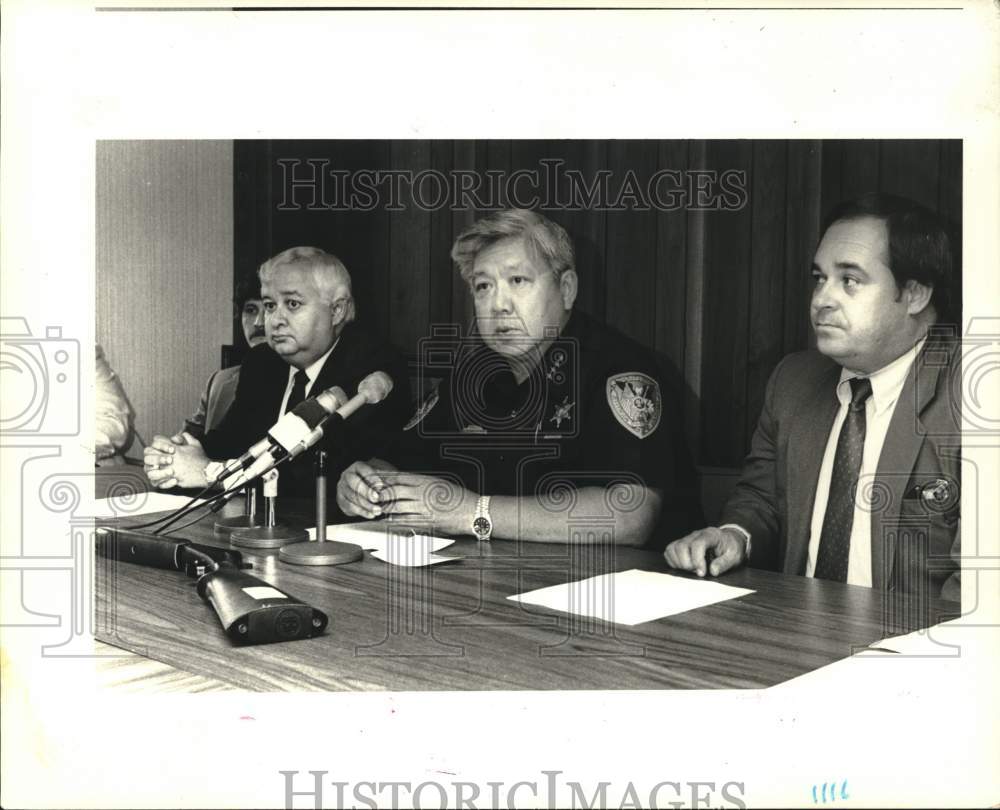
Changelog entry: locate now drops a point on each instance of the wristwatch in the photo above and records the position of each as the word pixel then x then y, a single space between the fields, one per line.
pixel 482 524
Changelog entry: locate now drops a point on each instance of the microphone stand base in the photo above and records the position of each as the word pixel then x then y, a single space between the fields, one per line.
pixel 226 525
pixel 266 537
pixel 321 552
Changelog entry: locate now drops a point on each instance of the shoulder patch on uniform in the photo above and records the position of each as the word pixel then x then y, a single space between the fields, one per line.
pixel 634 399
pixel 425 408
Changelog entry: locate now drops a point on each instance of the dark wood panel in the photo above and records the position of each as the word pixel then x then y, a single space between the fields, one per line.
pixel 726 314
pixel 409 248
pixel 442 270
pixel 252 221
pixel 694 313
pixel 765 342
pixel 630 304
pixel 849 168
pixel 586 225
pixel 910 169
pixel 802 222
pixel 253 203
pixel 950 185
pixel 357 237
pixel 670 274
pixel 694 285
pixel 859 168
pixel 831 191
pixel 461 302
pixel 552 162
pixel 950 207
pixel 494 156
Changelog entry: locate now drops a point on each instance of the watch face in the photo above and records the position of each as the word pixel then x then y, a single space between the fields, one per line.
pixel 481 525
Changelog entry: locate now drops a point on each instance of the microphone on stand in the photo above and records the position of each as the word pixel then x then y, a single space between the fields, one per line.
pixel 271 534
pixel 320 551
pixel 371 390
pixel 248 520
pixel 292 427
pixel 287 432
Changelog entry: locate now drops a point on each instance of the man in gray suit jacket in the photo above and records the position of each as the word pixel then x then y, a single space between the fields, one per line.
pixel 854 468
pixel 220 391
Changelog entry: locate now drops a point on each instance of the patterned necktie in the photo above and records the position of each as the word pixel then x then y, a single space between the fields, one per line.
pixel 298 394
pixel 835 539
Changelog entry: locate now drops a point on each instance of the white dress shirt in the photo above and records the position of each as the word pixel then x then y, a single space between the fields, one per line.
pixel 887 382
pixel 312 372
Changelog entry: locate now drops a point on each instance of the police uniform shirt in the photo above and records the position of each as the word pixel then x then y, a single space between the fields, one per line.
pixel 592 413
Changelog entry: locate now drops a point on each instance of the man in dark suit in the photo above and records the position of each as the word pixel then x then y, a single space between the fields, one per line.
pixel 854 468
pixel 312 344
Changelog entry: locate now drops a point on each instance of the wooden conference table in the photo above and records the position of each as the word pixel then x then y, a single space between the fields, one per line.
pixel 451 626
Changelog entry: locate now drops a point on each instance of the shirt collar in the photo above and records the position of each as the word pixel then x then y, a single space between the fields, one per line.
pixel 312 371
pixel 887 382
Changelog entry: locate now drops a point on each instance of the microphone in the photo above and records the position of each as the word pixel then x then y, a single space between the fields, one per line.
pixel 297 423
pixel 371 390
pixel 293 426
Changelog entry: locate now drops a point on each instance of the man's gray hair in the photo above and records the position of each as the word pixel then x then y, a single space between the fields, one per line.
pixel 544 240
pixel 328 273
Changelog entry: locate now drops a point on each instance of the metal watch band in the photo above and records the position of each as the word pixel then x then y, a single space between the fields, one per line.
pixel 482 524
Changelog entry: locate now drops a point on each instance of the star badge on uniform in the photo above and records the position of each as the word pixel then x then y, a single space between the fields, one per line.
pixel 634 399
pixel 425 408
pixel 562 412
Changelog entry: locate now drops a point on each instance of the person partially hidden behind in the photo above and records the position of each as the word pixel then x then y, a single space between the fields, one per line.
pixel 313 344
pixel 114 417
pixel 220 391
pixel 854 468
pixel 545 415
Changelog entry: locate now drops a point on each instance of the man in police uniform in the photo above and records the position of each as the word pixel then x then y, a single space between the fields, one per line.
pixel 543 414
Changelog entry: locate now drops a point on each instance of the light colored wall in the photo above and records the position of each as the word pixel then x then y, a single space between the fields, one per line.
pixel 164 271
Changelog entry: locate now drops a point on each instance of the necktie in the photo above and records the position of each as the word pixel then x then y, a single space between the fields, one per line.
pixel 298 394
pixel 835 539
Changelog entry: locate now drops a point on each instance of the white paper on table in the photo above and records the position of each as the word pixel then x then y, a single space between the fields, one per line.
pixel 920 643
pixel 141 503
pixel 921 662
pixel 631 597
pixel 411 556
pixel 391 544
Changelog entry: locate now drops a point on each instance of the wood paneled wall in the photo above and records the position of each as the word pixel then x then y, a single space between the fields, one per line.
pixel 721 295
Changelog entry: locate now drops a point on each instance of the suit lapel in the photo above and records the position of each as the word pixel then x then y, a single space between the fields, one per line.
pixel 806 444
pixel 902 444
pixel 271 395
pixel 332 371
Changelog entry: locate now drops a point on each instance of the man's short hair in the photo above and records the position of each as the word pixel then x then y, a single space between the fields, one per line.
pixel 328 273
pixel 544 240
pixel 247 289
pixel 919 245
